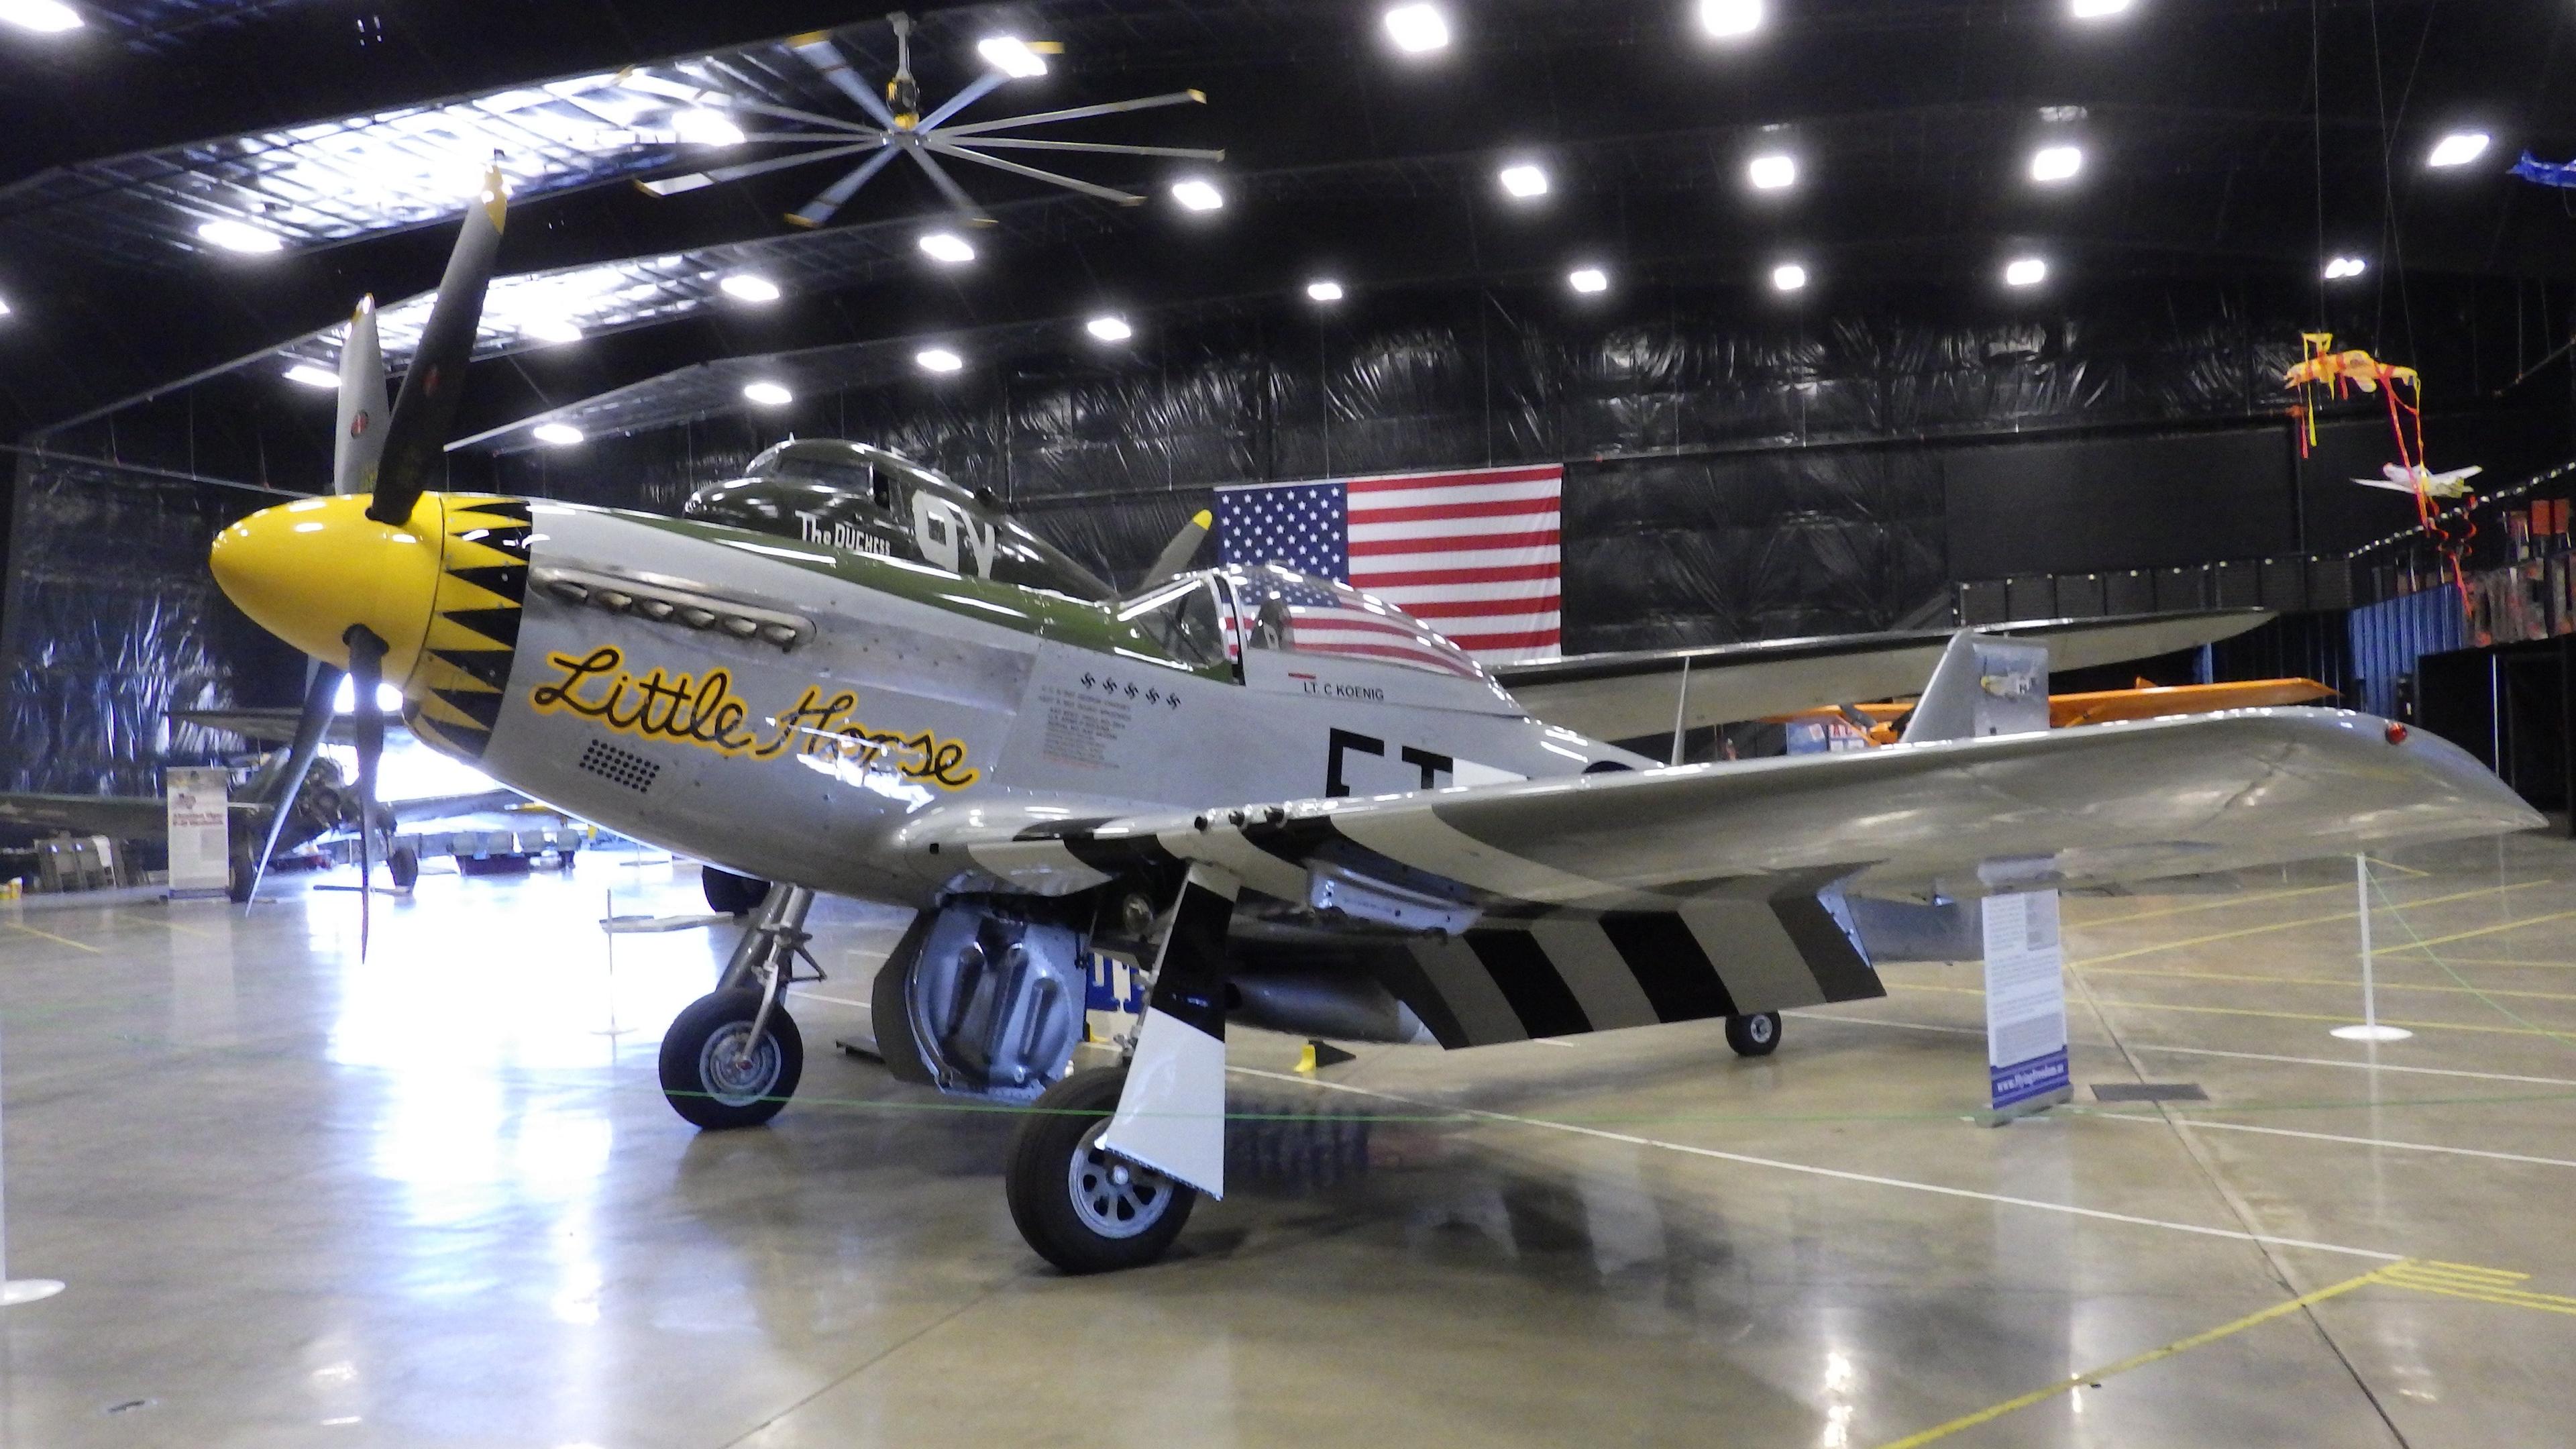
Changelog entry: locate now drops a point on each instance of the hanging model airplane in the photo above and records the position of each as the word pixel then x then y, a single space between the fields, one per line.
pixel 2398 478
pixel 1292 801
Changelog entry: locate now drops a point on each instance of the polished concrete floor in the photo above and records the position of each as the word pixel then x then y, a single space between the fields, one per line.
pixel 435 1198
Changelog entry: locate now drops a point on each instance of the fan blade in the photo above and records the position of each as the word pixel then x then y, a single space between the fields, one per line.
pixel 1177 554
pixel 979 88
pixel 310 727
pixel 820 209
pixel 819 52
pixel 949 188
pixel 416 439
pixel 1105 193
pixel 361 441
pixel 1191 153
pixel 695 179
pixel 654 85
pixel 366 671
pixel 1041 118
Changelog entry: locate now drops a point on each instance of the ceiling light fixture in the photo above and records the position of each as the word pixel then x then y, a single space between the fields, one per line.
pixel 701 127
pixel 1324 291
pixel 1198 195
pixel 768 394
pixel 2025 272
pixel 557 435
pixel 938 359
pixel 2342 267
pixel 2096 9
pixel 1788 277
pixel 1011 56
pixel 1727 19
pixel 1524 180
pixel 744 287
pixel 1417 28
pixel 552 329
pixel 2458 149
pixel 1109 329
pixel 1774 172
pixel 43 16
pixel 2055 163
pixel 1588 279
pixel 240 236
pixel 314 377
pixel 4 306
pixel 948 248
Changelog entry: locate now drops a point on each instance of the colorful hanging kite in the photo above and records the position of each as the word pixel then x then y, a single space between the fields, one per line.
pixel 2321 367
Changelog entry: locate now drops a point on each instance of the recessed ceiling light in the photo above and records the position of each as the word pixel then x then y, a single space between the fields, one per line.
pixel 1772 172
pixel 938 359
pixel 557 435
pixel 743 286
pixel 1417 28
pixel 2025 272
pixel 2342 267
pixel 1588 279
pixel 1730 18
pixel 46 16
pixel 2055 163
pixel 240 236
pixel 1198 195
pixel 1011 56
pixel 2458 149
pixel 1524 180
pixel 1788 277
pixel 2096 9
pixel 551 329
pixel 1109 329
pixel 4 306
pixel 768 394
pixel 311 376
pixel 948 247
pixel 1324 291
pixel 701 127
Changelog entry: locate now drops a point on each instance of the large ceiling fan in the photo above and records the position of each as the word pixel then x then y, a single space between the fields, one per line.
pixel 900 128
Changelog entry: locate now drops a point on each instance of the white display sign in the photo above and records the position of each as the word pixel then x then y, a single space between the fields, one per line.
pixel 2025 1002
pixel 199 801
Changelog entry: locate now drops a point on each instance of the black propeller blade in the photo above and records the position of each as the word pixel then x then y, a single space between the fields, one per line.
pixel 425 412
pixel 309 730
pixel 366 671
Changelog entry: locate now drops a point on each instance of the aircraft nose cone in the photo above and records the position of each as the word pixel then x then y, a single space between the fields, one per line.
pixel 305 571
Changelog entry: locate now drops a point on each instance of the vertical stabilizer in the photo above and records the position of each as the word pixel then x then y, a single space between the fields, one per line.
pixel 1982 686
pixel 361 440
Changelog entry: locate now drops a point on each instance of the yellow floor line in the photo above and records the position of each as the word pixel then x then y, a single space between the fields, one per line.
pixel 2532 1301
pixel 2302 921
pixel 2345 984
pixel 50 936
pixel 2481 931
pixel 2134 1361
pixel 2219 904
pixel 2278 1015
pixel 2506 961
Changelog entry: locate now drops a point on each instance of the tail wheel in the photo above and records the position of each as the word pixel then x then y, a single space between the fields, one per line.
pixel 1757 1035
pixel 1082 1208
pixel 715 1075
pixel 403 866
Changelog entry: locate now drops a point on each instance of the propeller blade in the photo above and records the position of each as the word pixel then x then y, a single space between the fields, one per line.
pixel 999 143
pixel 670 185
pixel 310 727
pixel 949 188
pixel 981 87
pixel 1076 113
pixel 819 52
pixel 416 439
pixel 820 209
pixel 361 443
pixel 366 671
pixel 654 85
pixel 1177 554
pixel 959 150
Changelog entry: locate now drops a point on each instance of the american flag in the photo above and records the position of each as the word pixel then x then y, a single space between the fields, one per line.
pixel 1472 553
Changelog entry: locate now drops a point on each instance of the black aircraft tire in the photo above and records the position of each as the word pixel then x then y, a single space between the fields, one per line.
pixel 730 894
pixel 1757 1035
pixel 699 1078
pixel 1065 1193
pixel 403 867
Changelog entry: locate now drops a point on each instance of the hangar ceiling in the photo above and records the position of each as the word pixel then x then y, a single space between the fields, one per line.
pixel 2218 137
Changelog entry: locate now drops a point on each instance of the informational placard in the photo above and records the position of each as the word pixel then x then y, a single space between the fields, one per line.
pixel 2025 1003
pixel 199 801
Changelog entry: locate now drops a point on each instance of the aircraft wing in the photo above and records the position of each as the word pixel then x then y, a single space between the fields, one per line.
pixel 1624 696
pixel 119 817
pixel 275 726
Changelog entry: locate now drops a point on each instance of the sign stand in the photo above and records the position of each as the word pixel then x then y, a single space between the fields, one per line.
pixel 2025 1007
pixel 14 1291
pixel 2369 1029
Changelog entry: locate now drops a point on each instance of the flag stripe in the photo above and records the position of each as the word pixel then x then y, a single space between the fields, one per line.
pixel 1549 473
pixel 1516 508
pixel 1526 639
pixel 1382 579
pixel 1371 548
pixel 1431 611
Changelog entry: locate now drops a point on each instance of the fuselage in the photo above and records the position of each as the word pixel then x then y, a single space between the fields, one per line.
pixel 787 708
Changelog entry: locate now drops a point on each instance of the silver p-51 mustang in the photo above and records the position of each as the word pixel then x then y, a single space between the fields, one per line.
pixel 1292 803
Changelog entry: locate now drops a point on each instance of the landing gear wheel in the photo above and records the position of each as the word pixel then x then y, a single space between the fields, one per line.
pixel 710 1078
pixel 1083 1209
pixel 403 867
pixel 1757 1035
pixel 730 894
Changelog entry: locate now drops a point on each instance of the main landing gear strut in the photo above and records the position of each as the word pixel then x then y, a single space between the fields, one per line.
pixel 732 1057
